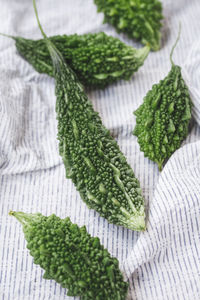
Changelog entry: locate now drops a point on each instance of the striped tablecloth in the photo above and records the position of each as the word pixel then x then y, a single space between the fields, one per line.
pixel 161 263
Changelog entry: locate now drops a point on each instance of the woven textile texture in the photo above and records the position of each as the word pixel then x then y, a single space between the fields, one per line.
pixel 162 263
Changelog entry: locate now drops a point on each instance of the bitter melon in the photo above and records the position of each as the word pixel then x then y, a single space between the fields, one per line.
pixel 91 156
pixel 97 59
pixel 140 19
pixel 163 118
pixel 73 258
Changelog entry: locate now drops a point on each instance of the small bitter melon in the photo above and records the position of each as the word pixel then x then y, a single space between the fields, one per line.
pixel 71 257
pixel 139 19
pixel 163 118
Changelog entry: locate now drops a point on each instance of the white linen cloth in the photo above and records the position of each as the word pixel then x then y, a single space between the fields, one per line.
pixel 162 263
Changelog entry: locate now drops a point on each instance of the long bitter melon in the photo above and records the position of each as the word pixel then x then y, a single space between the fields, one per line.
pixel 91 156
pixel 97 59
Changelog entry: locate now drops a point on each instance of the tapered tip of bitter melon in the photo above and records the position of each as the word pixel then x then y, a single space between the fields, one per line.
pixel 155 42
pixel 17 215
pixel 136 223
pixel 7 35
pixel 24 218
pixel 160 165
pixel 141 54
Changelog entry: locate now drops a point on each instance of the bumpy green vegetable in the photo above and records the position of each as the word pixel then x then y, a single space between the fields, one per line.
pixel 73 258
pixel 140 19
pixel 163 118
pixel 91 156
pixel 97 59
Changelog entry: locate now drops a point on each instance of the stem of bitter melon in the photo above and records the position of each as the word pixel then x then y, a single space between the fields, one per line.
pixel 177 39
pixel 40 26
pixel 55 54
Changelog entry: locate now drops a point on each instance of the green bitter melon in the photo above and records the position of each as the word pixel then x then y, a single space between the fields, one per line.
pixel 140 19
pixel 71 257
pixel 163 118
pixel 97 59
pixel 91 156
